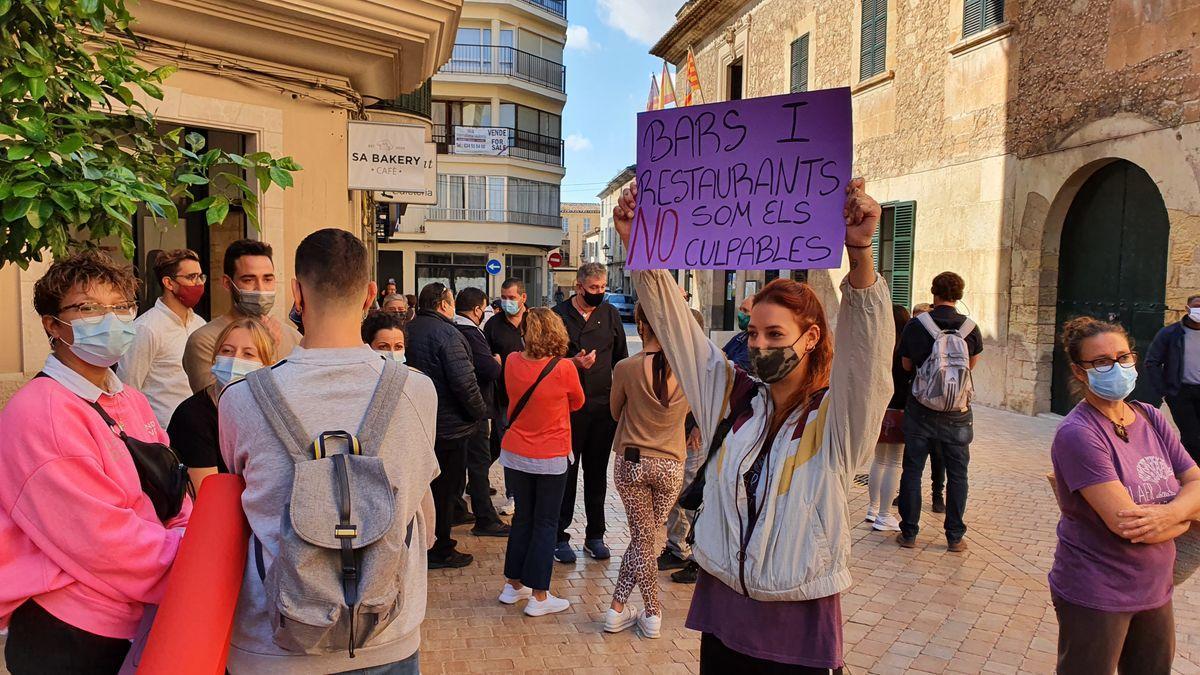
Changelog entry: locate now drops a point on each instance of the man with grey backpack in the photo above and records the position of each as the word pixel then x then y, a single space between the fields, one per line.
pixel 940 347
pixel 336 447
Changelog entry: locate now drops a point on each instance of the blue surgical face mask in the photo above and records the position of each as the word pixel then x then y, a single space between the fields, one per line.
pixel 1114 385
pixel 510 307
pixel 398 357
pixel 230 369
pixel 102 343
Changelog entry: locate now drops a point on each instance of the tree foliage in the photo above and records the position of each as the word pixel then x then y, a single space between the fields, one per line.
pixel 79 153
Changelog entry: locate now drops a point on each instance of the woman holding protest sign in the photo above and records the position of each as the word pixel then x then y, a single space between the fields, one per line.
pixel 773 538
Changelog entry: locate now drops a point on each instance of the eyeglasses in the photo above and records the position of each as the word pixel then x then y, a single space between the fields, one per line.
pixel 194 279
pixel 94 312
pixel 1105 364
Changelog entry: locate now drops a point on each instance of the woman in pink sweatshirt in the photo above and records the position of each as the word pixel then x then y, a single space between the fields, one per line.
pixel 82 550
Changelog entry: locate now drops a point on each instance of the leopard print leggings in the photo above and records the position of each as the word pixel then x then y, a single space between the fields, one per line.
pixel 648 489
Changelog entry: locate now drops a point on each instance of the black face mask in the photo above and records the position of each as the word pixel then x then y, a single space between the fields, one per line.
pixel 592 299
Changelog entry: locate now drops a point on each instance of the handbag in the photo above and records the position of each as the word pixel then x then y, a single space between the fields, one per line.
pixel 893 426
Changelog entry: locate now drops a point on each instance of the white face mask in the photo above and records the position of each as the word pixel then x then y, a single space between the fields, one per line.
pixel 1194 314
pixel 398 357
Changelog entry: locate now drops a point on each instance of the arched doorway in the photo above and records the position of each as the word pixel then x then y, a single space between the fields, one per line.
pixel 1112 262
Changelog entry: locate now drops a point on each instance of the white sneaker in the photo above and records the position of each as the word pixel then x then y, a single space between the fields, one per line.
pixel 887 524
pixel 509 507
pixel 651 626
pixel 511 596
pixel 550 605
pixel 615 622
pixel 870 515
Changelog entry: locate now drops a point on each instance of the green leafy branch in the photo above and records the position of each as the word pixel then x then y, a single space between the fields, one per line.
pixel 74 167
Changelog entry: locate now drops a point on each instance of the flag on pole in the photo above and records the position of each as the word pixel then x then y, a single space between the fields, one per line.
pixel 652 100
pixel 668 88
pixel 693 79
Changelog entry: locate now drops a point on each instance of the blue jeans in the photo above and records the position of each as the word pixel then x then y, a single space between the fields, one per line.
pixel 953 432
pixel 530 554
pixel 409 666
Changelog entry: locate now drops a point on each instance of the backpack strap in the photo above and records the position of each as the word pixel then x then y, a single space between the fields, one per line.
pixel 274 407
pixel 930 325
pixel 382 407
pixel 966 328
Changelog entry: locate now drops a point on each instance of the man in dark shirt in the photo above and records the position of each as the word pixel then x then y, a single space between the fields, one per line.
pixel 738 347
pixel 597 343
pixel 923 428
pixel 469 307
pixel 505 335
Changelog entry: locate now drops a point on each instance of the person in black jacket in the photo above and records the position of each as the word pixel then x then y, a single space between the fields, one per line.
pixel 470 305
pixel 506 334
pixel 439 350
pixel 597 344
pixel 1172 369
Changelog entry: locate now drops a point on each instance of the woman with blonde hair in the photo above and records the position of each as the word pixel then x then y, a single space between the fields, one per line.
pixel 244 346
pixel 543 390
pixel 650 410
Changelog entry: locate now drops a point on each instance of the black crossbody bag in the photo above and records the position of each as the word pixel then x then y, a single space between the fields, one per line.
pixel 512 419
pixel 163 477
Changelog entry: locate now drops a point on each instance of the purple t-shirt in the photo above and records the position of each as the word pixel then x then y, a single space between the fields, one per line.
pixel 800 633
pixel 1092 566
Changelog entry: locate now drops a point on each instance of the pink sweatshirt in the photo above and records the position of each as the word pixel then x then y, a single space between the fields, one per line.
pixel 77 534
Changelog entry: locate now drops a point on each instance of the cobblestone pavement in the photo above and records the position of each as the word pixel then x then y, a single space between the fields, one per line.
pixel 917 610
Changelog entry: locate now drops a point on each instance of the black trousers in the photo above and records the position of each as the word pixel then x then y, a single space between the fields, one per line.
pixel 1185 408
pixel 447 488
pixel 40 644
pixel 479 461
pixel 530 553
pixel 1129 643
pixel 953 432
pixel 718 659
pixel 592 432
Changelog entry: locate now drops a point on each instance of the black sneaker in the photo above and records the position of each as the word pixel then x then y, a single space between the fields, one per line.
pixel 688 574
pixel 669 561
pixel 496 529
pixel 463 519
pixel 452 560
pixel 939 505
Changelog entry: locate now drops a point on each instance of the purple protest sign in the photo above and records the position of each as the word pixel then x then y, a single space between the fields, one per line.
pixel 750 185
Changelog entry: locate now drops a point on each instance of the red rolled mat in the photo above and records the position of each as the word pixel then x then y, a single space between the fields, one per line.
pixel 191 632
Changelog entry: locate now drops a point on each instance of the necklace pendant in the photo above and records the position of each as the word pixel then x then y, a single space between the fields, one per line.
pixel 1122 433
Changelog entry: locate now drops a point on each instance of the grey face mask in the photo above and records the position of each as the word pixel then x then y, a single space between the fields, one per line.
pixel 253 303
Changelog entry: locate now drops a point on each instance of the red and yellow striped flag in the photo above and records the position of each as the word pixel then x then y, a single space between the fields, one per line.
pixel 693 79
pixel 668 88
pixel 652 99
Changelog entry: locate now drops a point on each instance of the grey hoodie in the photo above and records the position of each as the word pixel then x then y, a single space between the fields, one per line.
pixel 328 389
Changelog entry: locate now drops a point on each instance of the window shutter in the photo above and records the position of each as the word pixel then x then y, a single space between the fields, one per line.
pixel 993 13
pixel 880 61
pixel 867 39
pixel 800 64
pixel 972 17
pixel 904 222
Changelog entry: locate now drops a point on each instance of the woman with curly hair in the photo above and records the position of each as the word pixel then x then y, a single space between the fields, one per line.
pixel 543 390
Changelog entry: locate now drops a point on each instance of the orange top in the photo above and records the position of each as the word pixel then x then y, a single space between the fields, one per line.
pixel 543 430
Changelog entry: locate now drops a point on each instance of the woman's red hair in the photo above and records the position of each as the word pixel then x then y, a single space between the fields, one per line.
pixel 808 312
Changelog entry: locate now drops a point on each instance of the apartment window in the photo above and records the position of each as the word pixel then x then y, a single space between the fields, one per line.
pixel 893 248
pixel 530 120
pixel 735 80
pixel 800 64
pixel 474 36
pixel 533 203
pixel 470 198
pixel 587 224
pixel 566 223
pixel 979 15
pixel 873 38
pixel 466 113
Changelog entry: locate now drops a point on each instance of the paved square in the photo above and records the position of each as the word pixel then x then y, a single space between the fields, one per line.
pixel 922 610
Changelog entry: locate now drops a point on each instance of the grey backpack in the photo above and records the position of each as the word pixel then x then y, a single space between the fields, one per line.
pixel 335 582
pixel 943 382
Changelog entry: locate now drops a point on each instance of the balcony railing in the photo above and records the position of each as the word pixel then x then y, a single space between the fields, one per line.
pixel 507 61
pixel 419 102
pixel 558 7
pixel 494 216
pixel 521 144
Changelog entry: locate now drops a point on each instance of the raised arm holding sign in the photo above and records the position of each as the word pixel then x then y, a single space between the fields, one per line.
pixel 750 184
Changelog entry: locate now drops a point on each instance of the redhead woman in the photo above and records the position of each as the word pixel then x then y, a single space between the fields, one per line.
pixel 773 535
pixel 1127 489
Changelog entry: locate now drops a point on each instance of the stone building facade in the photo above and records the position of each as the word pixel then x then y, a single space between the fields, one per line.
pixel 1005 140
pixel 577 218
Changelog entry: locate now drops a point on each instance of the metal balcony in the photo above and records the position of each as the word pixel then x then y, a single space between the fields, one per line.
pixel 558 7
pixel 419 102
pixel 493 216
pixel 507 62
pixel 521 144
